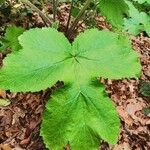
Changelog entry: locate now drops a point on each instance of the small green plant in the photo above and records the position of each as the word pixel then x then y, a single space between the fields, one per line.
pixel 10 40
pixel 81 112
pixel 145 89
pixel 138 21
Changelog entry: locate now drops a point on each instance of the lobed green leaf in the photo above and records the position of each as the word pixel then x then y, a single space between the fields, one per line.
pixel 82 116
pixel 114 10
pixel 47 56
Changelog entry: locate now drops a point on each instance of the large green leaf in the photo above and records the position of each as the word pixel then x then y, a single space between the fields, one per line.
pixel 105 54
pixel 138 21
pixel 80 113
pixel 114 10
pixel 47 56
pixel 10 40
pixel 41 62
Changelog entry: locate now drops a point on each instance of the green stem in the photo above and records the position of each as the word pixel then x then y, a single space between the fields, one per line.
pixel 69 18
pixel 46 20
pixel 79 16
pixel 55 2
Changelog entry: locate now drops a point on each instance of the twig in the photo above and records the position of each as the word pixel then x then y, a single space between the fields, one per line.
pixel 46 20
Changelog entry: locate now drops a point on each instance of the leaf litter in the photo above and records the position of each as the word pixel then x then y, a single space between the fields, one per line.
pixel 20 121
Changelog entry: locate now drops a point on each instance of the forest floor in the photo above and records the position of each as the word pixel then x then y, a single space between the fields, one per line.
pixel 20 121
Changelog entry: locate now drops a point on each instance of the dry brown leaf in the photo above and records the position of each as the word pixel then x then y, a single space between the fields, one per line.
pixel 123 146
pixel 2 93
pixel 5 147
pixel 124 116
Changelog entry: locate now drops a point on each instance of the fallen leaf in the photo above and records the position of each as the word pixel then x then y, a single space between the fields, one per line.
pixel 2 93
pixel 5 147
pixel 4 102
pixel 123 146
